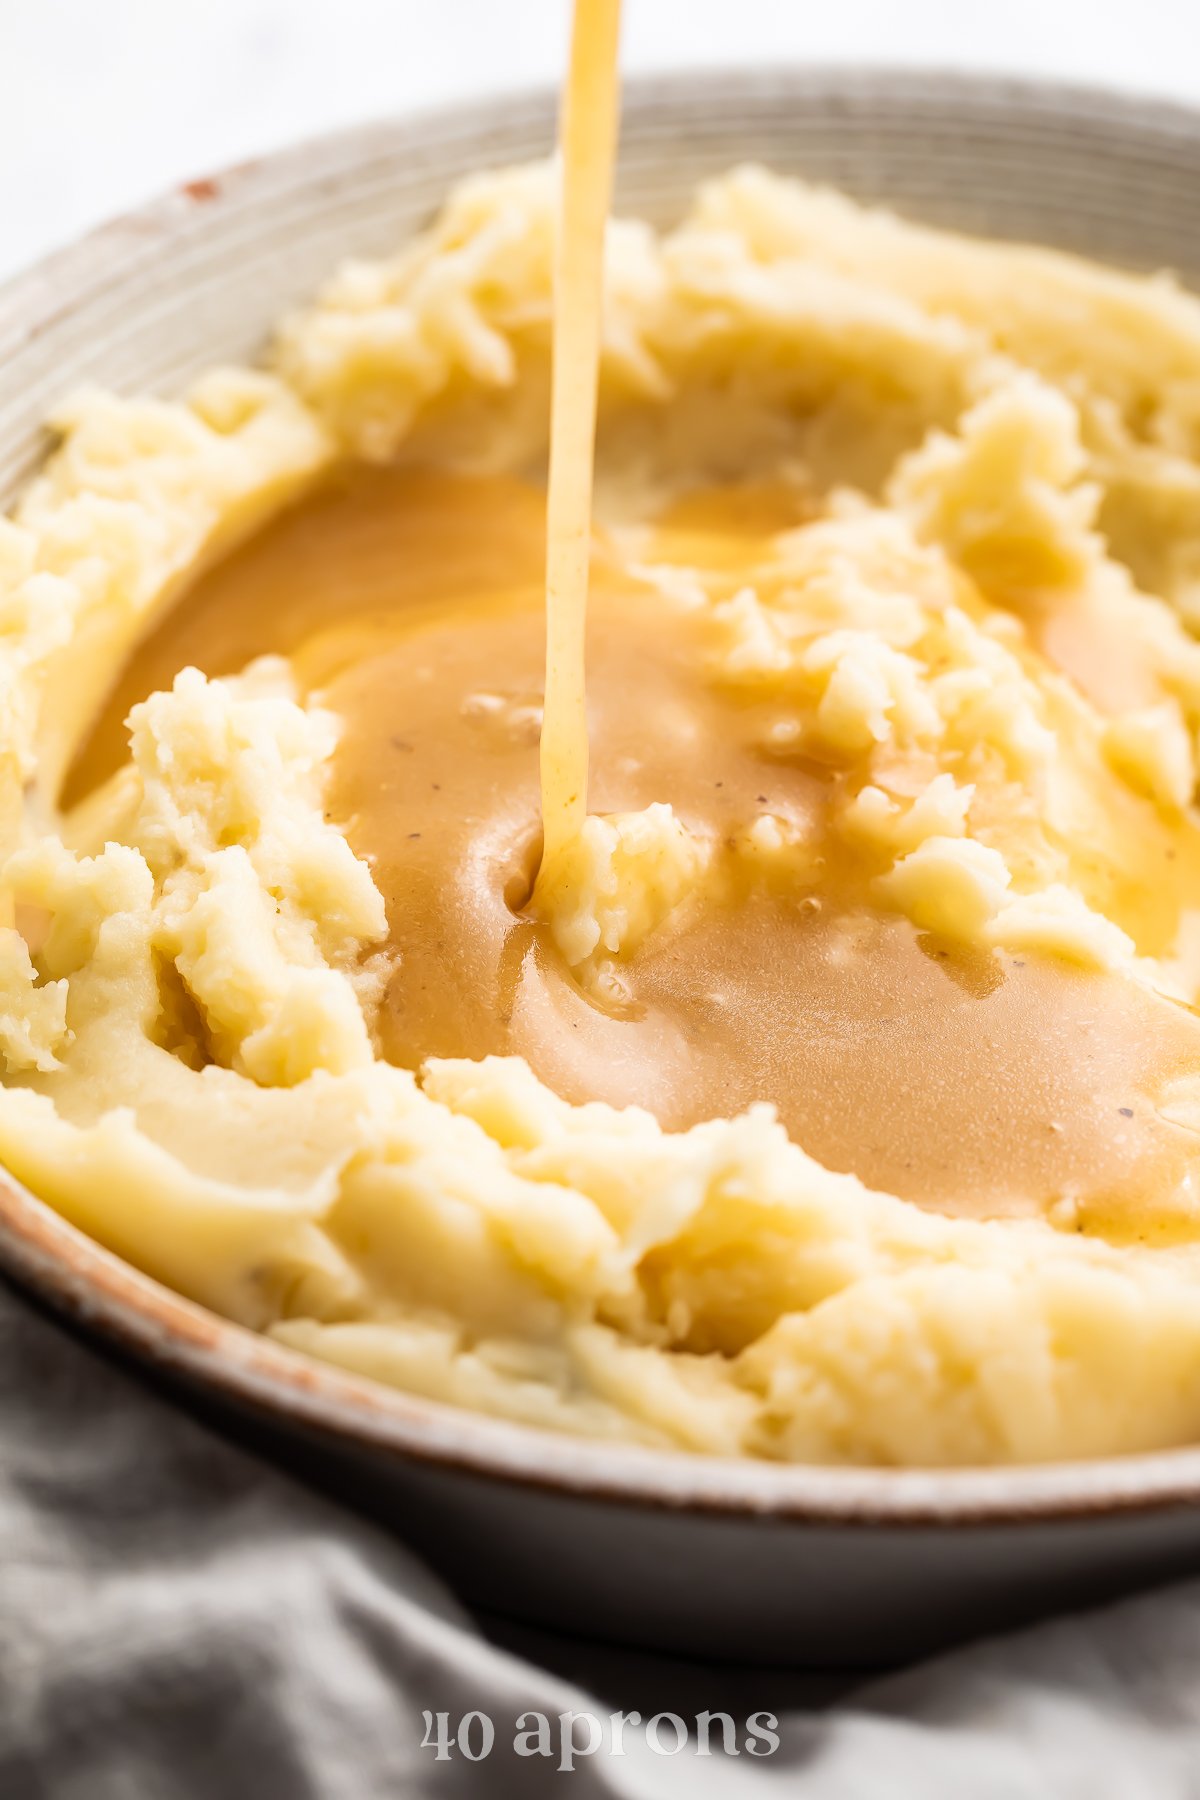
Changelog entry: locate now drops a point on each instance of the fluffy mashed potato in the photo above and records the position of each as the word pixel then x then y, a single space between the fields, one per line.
pixel 1004 447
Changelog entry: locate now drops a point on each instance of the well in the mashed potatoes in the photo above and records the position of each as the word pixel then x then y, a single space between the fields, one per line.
pixel 838 1098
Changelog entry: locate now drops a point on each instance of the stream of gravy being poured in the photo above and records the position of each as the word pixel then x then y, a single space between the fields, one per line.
pixel 588 144
pixel 445 619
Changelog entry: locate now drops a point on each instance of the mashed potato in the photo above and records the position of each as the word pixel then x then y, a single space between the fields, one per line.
pixel 980 639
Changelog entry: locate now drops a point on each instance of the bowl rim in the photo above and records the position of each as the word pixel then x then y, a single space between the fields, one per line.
pixel 94 1288
pixel 1143 110
pixel 76 1276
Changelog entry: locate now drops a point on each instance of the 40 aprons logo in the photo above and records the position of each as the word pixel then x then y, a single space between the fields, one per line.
pixel 568 1736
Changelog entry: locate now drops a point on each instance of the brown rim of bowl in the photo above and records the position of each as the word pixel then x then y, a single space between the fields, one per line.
pixel 79 1278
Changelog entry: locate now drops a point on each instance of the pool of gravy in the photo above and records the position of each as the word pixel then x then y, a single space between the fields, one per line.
pixel 412 604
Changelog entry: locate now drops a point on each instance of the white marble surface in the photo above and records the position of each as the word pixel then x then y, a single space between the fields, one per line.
pixel 103 102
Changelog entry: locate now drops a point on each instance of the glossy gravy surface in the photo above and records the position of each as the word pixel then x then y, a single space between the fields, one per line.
pixel 412 603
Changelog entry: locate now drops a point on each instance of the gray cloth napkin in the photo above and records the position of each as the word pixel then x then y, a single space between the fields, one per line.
pixel 180 1621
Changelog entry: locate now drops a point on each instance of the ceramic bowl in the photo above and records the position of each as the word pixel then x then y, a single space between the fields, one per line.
pixel 781 1564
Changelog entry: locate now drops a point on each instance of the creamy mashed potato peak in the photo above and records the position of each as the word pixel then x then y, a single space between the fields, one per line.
pixel 834 1094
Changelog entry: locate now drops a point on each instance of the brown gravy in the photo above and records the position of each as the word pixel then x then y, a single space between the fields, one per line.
pixel 413 603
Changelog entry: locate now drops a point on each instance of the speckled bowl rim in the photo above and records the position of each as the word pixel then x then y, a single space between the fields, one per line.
pixel 106 1296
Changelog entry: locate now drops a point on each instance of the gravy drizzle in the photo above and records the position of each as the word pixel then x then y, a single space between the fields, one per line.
pixel 588 137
